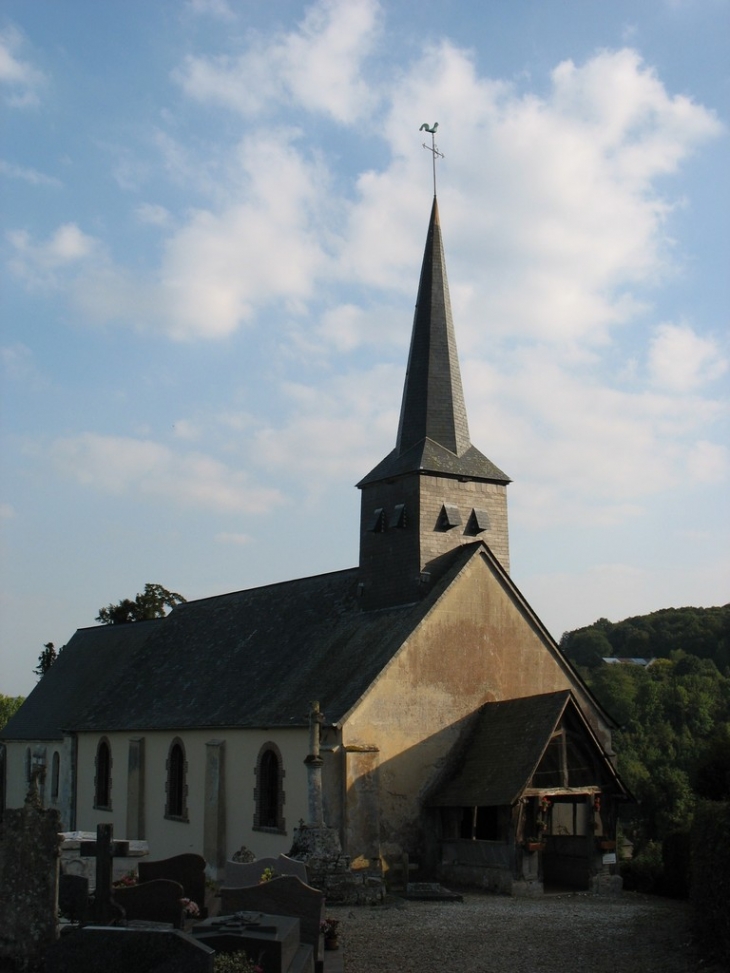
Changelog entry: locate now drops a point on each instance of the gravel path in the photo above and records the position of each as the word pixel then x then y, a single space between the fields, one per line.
pixel 494 934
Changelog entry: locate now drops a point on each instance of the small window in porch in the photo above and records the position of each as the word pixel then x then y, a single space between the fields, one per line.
pixel 484 823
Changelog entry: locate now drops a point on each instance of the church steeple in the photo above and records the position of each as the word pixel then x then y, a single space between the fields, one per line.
pixel 433 399
pixel 433 432
pixel 435 490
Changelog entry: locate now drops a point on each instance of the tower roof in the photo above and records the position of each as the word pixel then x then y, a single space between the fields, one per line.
pixel 433 432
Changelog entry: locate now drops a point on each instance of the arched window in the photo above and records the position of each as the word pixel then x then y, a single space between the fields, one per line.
pixel 55 774
pixel 269 793
pixel 176 787
pixel 103 779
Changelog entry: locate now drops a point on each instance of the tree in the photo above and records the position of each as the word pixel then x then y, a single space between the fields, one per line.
pixel 9 705
pixel 711 776
pixel 150 604
pixel 586 647
pixel 46 659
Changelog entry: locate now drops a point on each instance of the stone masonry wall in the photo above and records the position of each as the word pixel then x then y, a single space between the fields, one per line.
pixel 393 558
pixel 467 496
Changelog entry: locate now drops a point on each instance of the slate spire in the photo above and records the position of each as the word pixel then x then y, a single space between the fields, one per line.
pixel 433 399
pixel 433 432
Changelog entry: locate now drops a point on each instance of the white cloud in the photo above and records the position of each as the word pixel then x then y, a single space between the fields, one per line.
pixel 187 429
pixel 334 429
pixel 120 465
pixel 709 462
pixel 38 263
pixel 570 224
pixel 29 175
pixel 316 66
pixel 682 360
pixel 222 267
pixel 571 230
pixel 580 451
pixel 19 77
pixel 217 270
pixel 18 363
pixel 152 214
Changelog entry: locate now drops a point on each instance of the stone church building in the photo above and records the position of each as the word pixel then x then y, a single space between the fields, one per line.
pixel 453 728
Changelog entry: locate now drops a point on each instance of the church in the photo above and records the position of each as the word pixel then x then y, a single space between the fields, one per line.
pixel 450 727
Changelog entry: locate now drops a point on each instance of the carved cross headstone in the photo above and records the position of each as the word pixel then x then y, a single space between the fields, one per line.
pixel 105 909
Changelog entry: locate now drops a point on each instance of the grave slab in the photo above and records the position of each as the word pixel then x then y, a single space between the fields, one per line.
pixel 272 941
pixel 118 950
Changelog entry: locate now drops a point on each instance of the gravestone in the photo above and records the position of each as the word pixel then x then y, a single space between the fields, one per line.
pixel 73 897
pixel 188 869
pixel 286 896
pixel 156 901
pixel 119 950
pixel 242 874
pixel 29 849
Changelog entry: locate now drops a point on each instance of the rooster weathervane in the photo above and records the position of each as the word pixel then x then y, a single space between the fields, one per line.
pixel 432 148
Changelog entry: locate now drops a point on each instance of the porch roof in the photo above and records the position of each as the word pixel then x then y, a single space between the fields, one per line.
pixel 500 749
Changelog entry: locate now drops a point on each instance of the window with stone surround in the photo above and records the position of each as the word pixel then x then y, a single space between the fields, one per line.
pixel 55 775
pixel 103 778
pixel 269 790
pixel 176 797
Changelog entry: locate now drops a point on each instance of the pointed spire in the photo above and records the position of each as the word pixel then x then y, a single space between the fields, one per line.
pixel 433 432
pixel 433 399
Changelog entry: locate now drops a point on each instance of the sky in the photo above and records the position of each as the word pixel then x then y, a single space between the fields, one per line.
pixel 213 217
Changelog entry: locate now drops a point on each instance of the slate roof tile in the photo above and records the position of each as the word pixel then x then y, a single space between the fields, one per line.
pixel 255 658
pixel 93 658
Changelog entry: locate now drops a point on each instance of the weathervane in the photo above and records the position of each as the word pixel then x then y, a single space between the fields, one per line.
pixel 432 148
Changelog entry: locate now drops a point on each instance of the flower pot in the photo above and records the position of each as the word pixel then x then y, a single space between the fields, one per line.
pixel 535 845
pixel 331 943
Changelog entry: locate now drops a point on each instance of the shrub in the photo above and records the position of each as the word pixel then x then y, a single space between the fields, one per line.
pixel 710 888
pixel 676 859
pixel 645 871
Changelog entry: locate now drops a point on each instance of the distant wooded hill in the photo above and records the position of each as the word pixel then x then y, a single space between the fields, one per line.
pixel 673 735
pixel 703 632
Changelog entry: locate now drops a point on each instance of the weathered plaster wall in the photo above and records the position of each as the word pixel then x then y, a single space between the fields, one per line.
pixel 168 837
pixel 476 645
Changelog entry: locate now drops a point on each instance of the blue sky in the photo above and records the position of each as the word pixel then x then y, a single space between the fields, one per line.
pixel 213 218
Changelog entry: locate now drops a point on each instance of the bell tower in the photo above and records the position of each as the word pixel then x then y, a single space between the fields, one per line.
pixel 435 491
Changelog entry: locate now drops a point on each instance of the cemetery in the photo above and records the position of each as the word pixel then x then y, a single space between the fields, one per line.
pixel 74 903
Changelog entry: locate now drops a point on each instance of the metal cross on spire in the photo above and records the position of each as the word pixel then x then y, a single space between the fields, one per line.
pixel 432 148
